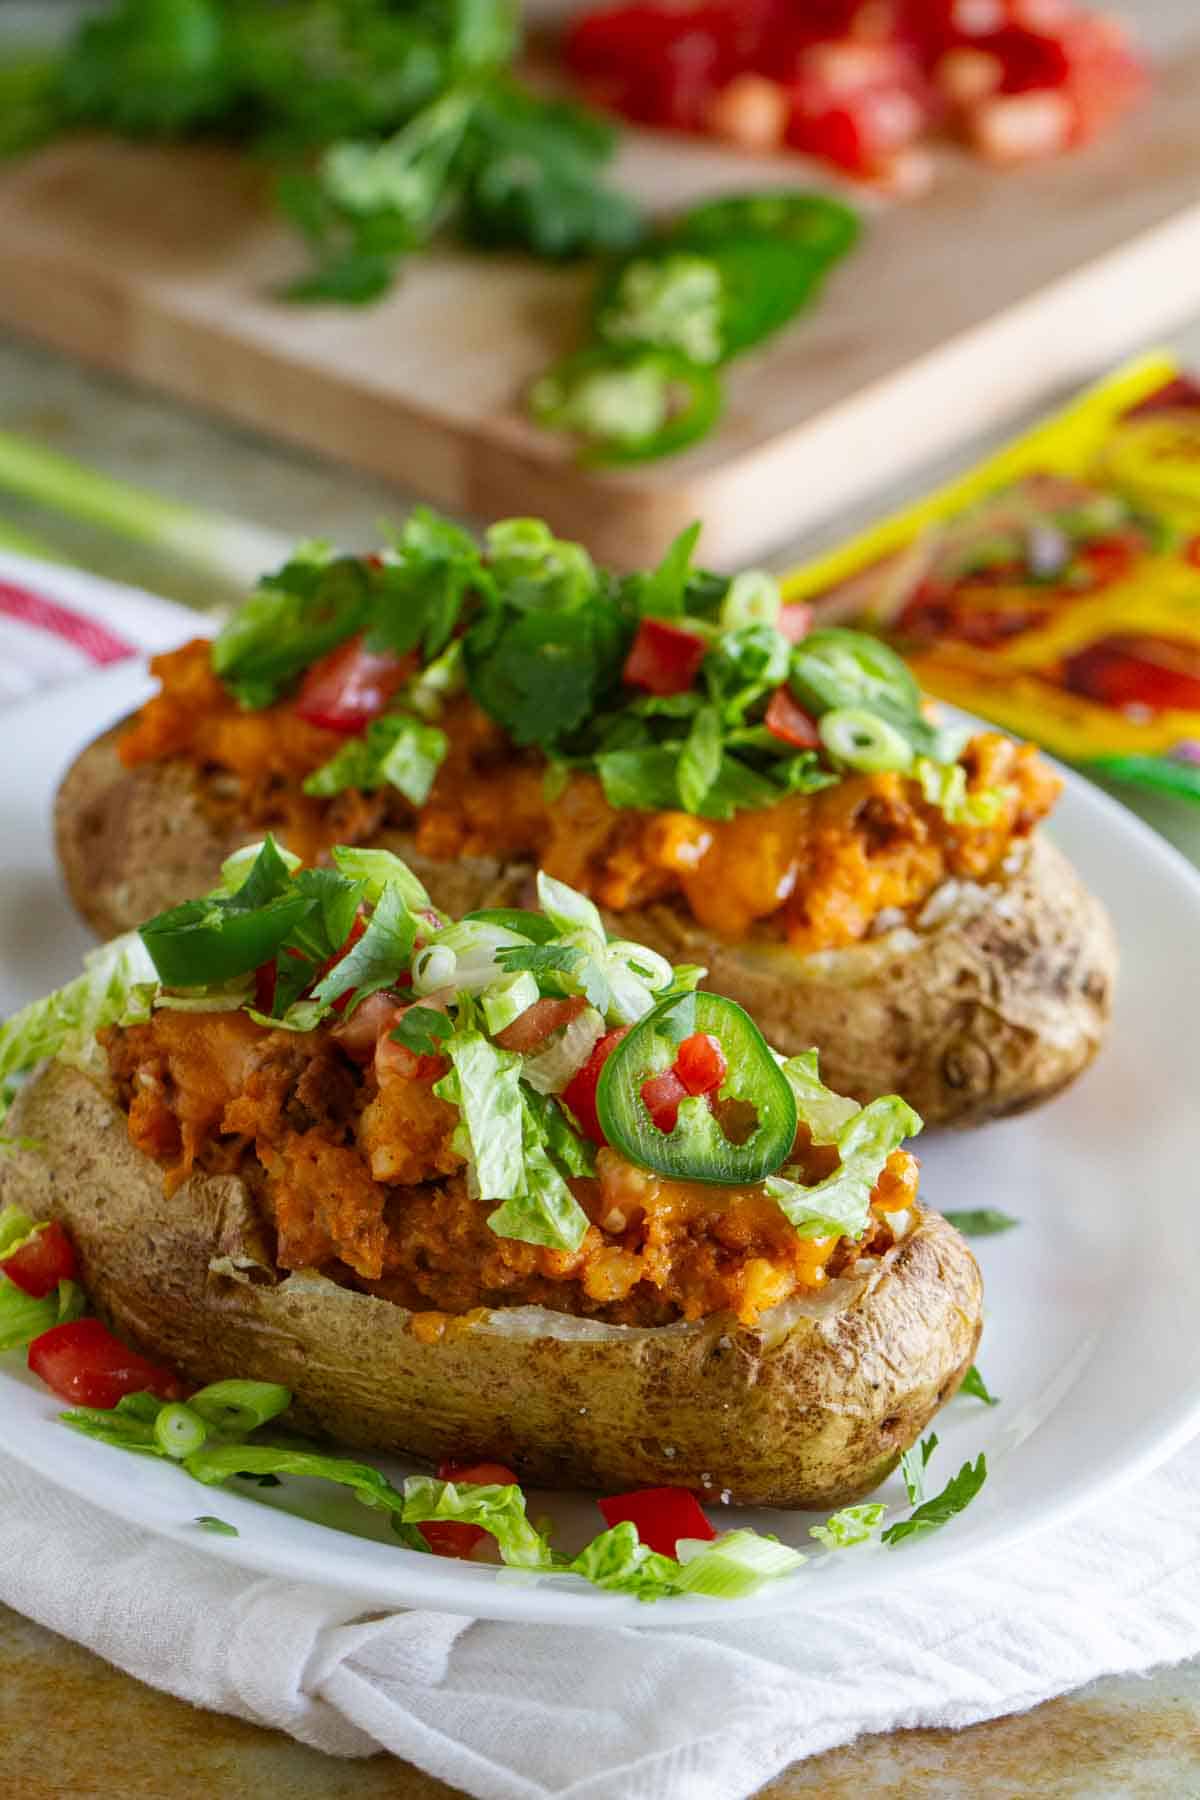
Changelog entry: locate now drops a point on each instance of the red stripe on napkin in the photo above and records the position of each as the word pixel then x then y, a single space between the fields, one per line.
pixel 94 639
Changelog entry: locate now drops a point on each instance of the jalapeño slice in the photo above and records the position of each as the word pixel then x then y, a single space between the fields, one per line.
pixel 698 1148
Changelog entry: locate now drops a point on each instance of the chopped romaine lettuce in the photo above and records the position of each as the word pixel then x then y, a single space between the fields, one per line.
pixel 839 1206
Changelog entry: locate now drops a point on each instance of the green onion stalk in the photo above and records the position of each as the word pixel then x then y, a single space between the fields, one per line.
pixel 216 545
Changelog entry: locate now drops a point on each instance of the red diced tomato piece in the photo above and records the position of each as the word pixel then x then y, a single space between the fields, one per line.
pixel 331 962
pixel 661 1095
pixel 701 1064
pixel 664 658
pixel 478 1474
pixel 794 621
pixel 448 1537
pixel 537 1022
pixel 84 1363
pixel 350 686
pixel 787 720
pixel 264 987
pixel 662 1515
pixel 1192 552
pixel 580 1091
pixel 38 1265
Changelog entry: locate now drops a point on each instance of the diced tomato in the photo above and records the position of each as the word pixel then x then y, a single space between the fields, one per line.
pixel 350 686
pixel 536 1023
pixel 368 1025
pixel 661 1095
pixel 264 987
pixel 331 962
pixel 38 1265
pixel 662 1515
pixel 794 621
pixel 787 720
pixel 447 1537
pixel 1192 552
pixel 580 1091
pixel 701 1063
pixel 664 658
pixel 84 1363
pixel 480 1474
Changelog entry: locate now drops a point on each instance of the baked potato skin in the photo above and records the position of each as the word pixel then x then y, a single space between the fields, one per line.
pixel 988 1013
pixel 813 1420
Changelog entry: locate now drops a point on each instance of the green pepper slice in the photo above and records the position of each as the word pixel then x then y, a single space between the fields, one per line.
pixel 761 283
pixel 836 668
pixel 629 403
pixel 698 1148
pixel 817 224
pixel 204 942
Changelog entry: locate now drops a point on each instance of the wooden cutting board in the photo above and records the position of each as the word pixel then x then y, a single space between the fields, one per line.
pixel 956 312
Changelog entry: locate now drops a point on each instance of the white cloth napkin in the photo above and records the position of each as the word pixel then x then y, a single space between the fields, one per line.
pixel 517 1712
pixel 514 1712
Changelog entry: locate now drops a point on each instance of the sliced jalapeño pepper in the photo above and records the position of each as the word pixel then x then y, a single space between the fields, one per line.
pixel 629 403
pixel 814 224
pixel 760 283
pixel 204 942
pixel 698 1148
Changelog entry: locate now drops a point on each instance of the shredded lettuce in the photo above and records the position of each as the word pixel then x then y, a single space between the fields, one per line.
pixel 236 869
pixel 944 785
pixel 377 869
pixel 825 1113
pixel 395 750
pixel 116 988
pixel 852 1525
pixel 485 1084
pixel 567 909
pixel 22 1318
pixel 545 1211
pixel 620 1563
pixel 839 1206
pixel 498 1510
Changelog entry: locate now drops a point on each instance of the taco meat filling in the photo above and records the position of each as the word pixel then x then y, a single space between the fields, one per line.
pixel 815 870
pixel 348 1153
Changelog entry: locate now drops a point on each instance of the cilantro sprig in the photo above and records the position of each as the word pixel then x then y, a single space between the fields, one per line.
pixel 388 120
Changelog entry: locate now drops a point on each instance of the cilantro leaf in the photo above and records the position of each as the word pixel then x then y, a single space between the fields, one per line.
pixel 985 1222
pixel 974 1385
pixel 958 1493
pixel 423 1030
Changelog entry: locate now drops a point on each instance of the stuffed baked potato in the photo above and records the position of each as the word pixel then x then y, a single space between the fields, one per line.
pixel 704 1268
pixel 781 811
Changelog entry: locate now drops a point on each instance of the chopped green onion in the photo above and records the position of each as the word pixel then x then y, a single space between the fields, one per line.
pixel 733 1565
pixel 180 1431
pixel 861 740
pixel 234 1407
pixel 752 598
pixel 433 967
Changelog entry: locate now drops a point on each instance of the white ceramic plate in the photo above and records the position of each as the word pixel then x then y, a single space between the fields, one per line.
pixel 1091 1335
